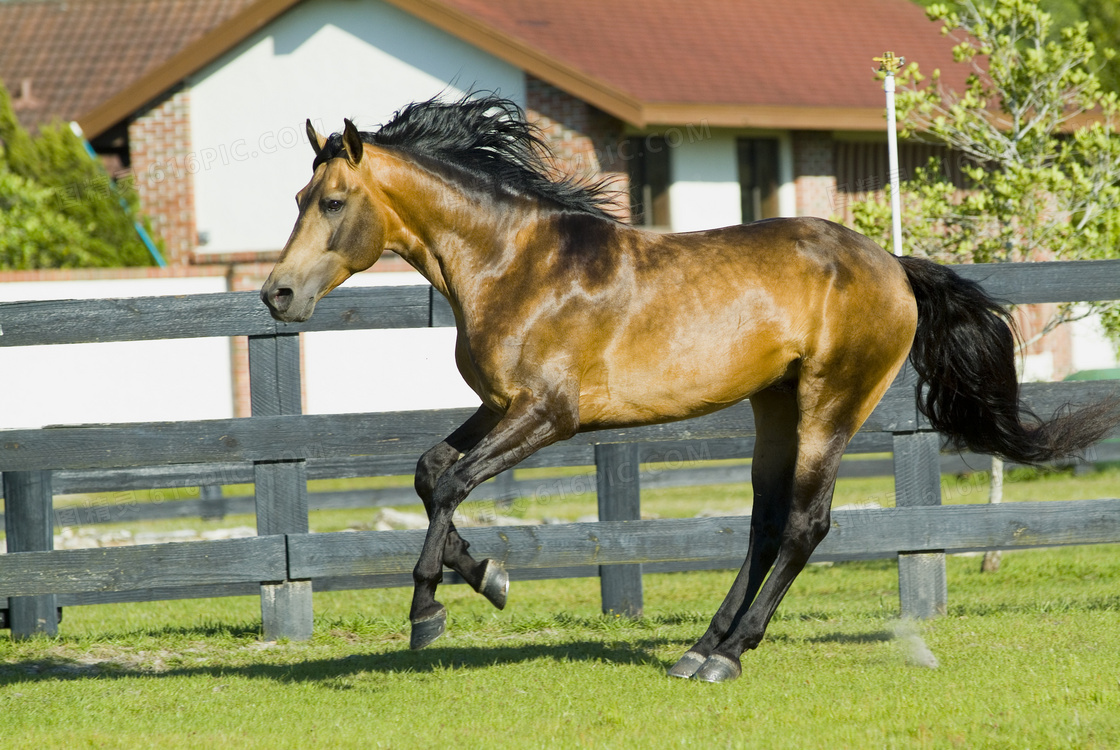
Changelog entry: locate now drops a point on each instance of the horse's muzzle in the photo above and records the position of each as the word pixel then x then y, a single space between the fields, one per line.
pixel 279 302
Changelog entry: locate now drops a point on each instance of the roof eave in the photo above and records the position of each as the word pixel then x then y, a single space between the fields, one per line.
pixel 766 116
pixel 624 106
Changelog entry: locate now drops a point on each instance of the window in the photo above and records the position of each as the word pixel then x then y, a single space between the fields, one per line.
pixel 648 159
pixel 863 167
pixel 758 177
pixel 862 170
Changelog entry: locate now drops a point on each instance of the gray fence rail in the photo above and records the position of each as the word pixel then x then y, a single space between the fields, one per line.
pixel 664 465
pixel 278 449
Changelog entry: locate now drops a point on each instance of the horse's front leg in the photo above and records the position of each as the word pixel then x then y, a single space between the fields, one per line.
pixel 528 425
pixel 488 577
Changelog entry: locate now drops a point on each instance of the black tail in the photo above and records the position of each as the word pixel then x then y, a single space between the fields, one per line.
pixel 968 387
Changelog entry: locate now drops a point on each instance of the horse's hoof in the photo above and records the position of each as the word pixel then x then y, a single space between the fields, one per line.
pixel 686 666
pixel 718 669
pixel 427 629
pixel 495 583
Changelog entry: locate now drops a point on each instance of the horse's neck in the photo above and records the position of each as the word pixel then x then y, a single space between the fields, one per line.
pixel 459 239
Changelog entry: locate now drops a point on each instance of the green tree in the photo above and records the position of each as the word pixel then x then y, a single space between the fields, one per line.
pixel 33 234
pixel 1103 17
pixel 58 207
pixel 1032 131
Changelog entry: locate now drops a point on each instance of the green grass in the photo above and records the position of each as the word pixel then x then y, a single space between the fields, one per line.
pixel 1028 658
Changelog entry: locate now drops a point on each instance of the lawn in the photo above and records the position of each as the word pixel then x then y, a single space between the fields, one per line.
pixel 1026 657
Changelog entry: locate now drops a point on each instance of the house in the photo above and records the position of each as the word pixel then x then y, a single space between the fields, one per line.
pixel 713 113
pixel 707 113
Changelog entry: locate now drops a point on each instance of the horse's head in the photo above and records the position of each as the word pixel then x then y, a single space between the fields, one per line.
pixel 339 230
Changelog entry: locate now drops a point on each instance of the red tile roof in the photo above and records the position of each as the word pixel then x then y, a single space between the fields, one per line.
pixel 739 52
pixel 74 55
pixel 776 63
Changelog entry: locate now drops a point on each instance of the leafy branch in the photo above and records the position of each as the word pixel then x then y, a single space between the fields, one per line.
pixel 1034 134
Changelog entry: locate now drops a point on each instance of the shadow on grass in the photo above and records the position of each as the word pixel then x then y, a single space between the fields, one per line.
pixel 206 630
pixel 328 671
pixel 331 671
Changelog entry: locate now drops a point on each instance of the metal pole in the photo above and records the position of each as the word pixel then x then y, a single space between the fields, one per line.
pixel 136 224
pixel 889 64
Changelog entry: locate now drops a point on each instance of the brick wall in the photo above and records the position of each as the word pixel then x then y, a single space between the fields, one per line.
pixel 97 274
pixel 814 173
pixel 584 140
pixel 163 167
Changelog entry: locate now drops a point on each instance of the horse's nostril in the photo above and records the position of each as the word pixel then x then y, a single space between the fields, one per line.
pixel 279 299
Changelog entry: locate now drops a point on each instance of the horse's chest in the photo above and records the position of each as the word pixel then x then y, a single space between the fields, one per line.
pixel 490 367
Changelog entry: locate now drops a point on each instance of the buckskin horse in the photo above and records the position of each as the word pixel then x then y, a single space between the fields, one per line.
pixel 570 320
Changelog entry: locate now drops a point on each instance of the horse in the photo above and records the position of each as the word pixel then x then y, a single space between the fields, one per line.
pixel 570 320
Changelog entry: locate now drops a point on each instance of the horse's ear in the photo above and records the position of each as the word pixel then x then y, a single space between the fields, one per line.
pixel 317 141
pixel 353 143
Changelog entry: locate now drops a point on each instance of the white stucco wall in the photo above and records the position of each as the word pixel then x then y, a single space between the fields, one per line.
pixel 130 381
pixel 323 60
pixel 704 192
pixel 188 379
pixel 387 370
pixel 704 171
pixel 787 189
pixel 1092 349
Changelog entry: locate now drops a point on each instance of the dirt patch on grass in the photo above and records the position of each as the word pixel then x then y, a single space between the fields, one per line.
pixel 103 659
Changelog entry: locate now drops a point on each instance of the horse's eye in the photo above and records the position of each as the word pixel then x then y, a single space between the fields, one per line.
pixel 332 206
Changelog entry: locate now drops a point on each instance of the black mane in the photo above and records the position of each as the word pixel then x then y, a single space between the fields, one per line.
pixel 489 138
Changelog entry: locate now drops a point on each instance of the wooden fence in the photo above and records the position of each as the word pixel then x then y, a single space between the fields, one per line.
pixel 675 464
pixel 278 448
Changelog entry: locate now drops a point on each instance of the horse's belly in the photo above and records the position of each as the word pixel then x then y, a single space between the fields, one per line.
pixel 668 390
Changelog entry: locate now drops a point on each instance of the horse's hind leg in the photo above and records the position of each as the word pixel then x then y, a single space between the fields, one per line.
pixel 488 577
pixel 806 526
pixel 831 411
pixel 775 455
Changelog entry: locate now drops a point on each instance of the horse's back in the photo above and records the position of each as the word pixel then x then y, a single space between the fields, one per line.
pixel 738 310
pixel 779 243
pixel 805 268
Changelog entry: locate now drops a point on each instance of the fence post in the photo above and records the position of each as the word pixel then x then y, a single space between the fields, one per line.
pixel 922 587
pixel 27 520
pixel 505 490
pixel 616 479
pixel 212 504
pixel 281 486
